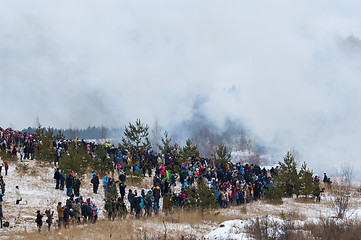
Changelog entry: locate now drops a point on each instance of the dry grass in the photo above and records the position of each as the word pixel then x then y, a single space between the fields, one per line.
pixel 335 230
pixel 171 226
pixel 305 200
pixel 292 215
pixel 330 229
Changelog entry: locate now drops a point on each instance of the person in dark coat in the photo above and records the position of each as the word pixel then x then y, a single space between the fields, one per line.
pixel 84 211
pixel 2 185
pixel 69 184
pixel 66 217
pixel 31 151
pixel 95 182
pixel 131 200
pixel 122 177
pixel 1 215
pixel 109 207
pixel 57 178
pixel 49 219
pixel 39 220
pixel 122 191
pixel 76 186
pixel 69 202
pixel 62 179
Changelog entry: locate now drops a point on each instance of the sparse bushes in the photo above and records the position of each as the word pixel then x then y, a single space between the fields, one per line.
pixel 267 228
pixel 334 229
pixel 340 203
pixel 22 169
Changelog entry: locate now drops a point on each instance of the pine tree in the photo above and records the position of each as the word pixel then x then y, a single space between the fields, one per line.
pixel 136 137
pixel 287 180
pixel 74 160
pixel 100 163
pixel 189 149
pixel 202 197
pixel 307 186
pixel 167 147
pixel 44 151
pixel 59 135
pixel 274 192
pixel 223 155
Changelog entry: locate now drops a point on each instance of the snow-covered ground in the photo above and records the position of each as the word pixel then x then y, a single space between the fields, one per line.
pixel 37 188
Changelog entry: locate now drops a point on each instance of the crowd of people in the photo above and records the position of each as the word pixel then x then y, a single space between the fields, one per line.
pixel 175 180
pixel 231 184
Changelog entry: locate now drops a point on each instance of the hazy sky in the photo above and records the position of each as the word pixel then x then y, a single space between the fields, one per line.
pixel 288 70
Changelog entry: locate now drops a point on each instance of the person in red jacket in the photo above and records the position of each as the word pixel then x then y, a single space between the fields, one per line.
pixel 6 165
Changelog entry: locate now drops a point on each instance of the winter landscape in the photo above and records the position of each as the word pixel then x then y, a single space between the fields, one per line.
pixel 288 202
pixel 134 119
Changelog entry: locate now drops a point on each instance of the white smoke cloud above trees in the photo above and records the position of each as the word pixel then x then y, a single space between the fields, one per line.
pixel 288 71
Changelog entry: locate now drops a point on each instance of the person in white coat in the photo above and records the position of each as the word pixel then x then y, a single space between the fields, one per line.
pixel 1 165
pixel 18 195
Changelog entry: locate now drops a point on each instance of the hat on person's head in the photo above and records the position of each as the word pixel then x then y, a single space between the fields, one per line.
pixel 71 174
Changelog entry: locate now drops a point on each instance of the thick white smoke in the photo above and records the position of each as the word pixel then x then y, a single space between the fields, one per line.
pixel 288 71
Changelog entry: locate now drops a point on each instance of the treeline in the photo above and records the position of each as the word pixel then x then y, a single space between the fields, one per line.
pixel 87 133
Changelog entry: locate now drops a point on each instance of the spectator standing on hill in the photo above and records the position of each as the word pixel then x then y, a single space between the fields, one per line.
pixel 1 165
pixel 57 178
pixel 18 195
pixel 95 182
pixel 325 178
pixel 60 210
pixel 69 184
pixel 49 219
pixel 62 179
pixel 1 215
pixel 39 220
pixel 76 186
pixel 2 185
pixel 105 185
pixel 21 150
pixel 31 151
pixel 6 165
pixel 131 196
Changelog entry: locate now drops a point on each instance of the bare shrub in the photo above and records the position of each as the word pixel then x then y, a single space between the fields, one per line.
pixel 267 229
pixel 341 201
pixel 334 229
pixel 347 174
pixel 341 205
pixel 292 214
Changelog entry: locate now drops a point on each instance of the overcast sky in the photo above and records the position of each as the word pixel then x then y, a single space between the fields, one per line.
pixel 288 70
